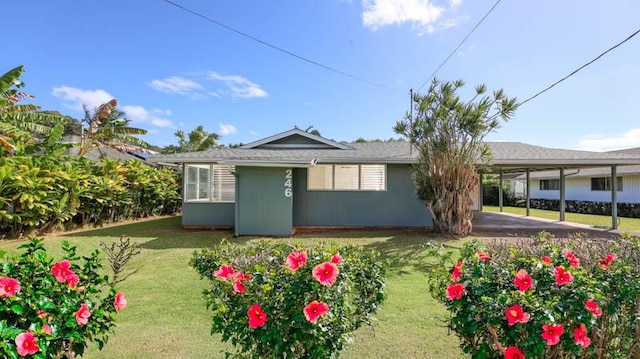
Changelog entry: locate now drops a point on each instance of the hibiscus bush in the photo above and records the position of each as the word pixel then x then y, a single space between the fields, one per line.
pixel 54 309
pixel 274 300
pixel 544 298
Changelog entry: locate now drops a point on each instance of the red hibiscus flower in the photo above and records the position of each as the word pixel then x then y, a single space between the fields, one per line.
pixel 551 333
pixel 606 262
pixel 546 260
pixel 574 262
pixel 83 314
pixel 562 276
pixel 483 256
pixel 226 272
pixel 296 260
pixel 257 317
pixel 592 306
pixel 62 270
pixel 336 258
pixel 238 287
pixel 72 280
pixel 457 272
pixel 119 302
pixel 9 287
pixel 523 280
pixel 515 314
pixel 315 310
pixel 455 291
pixel 513 353
pixel 580 336
pixel 239 279
pixel 326 273
pixel 27 344
pixel 46 328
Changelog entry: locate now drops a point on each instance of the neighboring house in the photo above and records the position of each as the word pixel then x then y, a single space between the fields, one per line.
pixel 298 179
pixel 101 152
pixel 585 184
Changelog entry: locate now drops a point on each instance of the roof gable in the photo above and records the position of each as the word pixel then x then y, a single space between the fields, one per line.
pixel 296 139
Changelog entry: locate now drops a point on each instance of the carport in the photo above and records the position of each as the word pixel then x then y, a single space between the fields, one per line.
pixel 517 157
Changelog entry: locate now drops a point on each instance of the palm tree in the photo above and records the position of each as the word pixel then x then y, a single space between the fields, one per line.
pixel 21 124
pixel 107 127
pixel 197 140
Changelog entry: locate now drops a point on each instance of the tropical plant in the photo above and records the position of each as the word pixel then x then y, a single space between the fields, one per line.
pixel 279 301
pixel 54 309
pixel 544 298
pixel 199 139
pixel 447 134
pixel 21 124
pixel 107 127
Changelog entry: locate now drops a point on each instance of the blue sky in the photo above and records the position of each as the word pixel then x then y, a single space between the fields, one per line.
pixel 172 70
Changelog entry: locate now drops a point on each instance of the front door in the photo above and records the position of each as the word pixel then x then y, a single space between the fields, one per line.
pixel 264 201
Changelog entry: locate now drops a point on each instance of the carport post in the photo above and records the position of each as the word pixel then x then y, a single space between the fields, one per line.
pixel 528 195
pixel 500 191
pixel 614 197
pixel 562 194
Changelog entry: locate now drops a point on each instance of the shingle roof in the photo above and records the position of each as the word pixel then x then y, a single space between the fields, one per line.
pixel 506 155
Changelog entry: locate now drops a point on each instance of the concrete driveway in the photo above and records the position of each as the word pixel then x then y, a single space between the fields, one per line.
pixel 493 224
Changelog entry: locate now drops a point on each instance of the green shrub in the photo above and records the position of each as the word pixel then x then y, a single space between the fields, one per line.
pixel 278 301
pixel 54 309
pixel 544 298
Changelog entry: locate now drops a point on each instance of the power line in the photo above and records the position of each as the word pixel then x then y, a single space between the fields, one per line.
pixel 579 68
pixel 459 45
pixel 277 48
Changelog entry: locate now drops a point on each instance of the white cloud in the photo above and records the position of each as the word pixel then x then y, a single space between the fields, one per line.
pixel 239 86
pixel 139 114
pixel 599 143
pixel 227 129
pixel 76 97
pixel 425 15
pixel 176 84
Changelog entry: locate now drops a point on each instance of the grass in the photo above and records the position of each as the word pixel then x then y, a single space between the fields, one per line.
pixel 166 316
pixel 625 224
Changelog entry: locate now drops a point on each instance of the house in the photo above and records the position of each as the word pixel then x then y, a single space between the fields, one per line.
pixel 298 179
pixel 583 184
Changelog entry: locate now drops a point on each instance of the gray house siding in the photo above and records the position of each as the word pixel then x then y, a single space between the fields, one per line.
pixel 397 206
pixel 208 214
pixel 263 207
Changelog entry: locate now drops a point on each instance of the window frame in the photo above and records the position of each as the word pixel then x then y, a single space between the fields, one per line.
pixel 549 187
pixel 218 179
pixel 360 180
pixel 606 181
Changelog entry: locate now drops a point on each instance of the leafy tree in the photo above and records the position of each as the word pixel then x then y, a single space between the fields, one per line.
pixel 447 133
pixel 197 140
pixel 109 128
pixel 21 124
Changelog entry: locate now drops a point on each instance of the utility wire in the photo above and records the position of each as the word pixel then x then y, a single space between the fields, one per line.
pixel 299 57
pixel 459 45
pixel 579 68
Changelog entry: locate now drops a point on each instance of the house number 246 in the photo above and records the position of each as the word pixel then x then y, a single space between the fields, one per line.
pixel 288 177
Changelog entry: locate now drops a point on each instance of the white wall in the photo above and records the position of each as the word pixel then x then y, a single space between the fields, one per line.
pixel 579 189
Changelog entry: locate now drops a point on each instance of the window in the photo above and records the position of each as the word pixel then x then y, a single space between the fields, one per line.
pixel 209 183
pixel 604 184
pixel 347 177
pixel 550 185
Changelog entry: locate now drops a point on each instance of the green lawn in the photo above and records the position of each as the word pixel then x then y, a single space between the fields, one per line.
pixel 626 224
pixel 166 316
